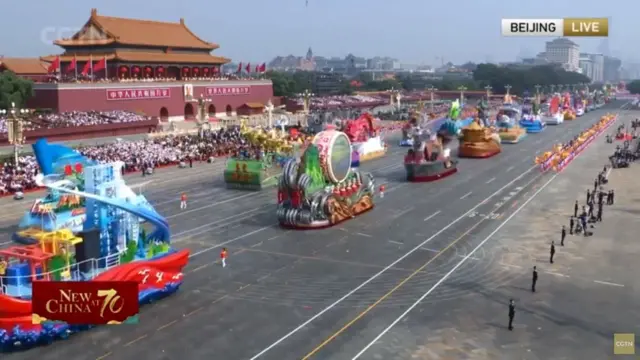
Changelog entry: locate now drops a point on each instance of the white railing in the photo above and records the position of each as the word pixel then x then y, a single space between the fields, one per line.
pixel 112 260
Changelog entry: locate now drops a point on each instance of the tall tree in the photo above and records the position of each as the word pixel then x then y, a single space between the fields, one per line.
pixel 14 89
pixel 634 87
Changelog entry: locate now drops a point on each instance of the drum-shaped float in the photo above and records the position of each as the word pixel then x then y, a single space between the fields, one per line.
pixel 335 154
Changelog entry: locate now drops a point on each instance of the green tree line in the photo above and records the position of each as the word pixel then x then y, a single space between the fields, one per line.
pixel 14 89
pixel 498 77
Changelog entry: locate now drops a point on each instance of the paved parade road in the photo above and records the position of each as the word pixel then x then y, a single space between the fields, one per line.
pixel 321 294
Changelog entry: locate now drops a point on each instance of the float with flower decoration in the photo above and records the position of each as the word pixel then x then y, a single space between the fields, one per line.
pixel 562 154
pixel 87 228
pixel 321 188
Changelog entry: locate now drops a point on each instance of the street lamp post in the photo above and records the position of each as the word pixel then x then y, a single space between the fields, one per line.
pixel 488 89
pixel 432 92
pixel 269 109
pixel 306 98
pixel 15 127
pixel 202 113
pixel 462 89
pixel 394 97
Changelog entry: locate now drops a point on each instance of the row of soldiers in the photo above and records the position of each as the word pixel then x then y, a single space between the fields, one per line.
pixel 578 223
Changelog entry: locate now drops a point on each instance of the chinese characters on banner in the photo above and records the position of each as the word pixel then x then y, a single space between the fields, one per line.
pixel 85 302
pixel 235 90
pixel 138 94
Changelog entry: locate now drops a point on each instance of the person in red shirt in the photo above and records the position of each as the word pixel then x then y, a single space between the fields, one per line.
pixel 223 257
pixel 183 201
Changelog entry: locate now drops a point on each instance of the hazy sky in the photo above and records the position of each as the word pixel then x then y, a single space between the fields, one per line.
pixel 415 31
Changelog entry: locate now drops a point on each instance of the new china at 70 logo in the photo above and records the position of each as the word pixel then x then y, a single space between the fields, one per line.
pixel 85 302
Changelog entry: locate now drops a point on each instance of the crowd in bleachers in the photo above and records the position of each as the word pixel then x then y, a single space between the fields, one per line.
pixel 142 155
pixel 88 79
pixel 74 119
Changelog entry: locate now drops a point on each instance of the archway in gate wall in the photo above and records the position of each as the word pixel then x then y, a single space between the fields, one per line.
pixel 212 110
pixel 229 110
pixel 189 113
pixel 164 114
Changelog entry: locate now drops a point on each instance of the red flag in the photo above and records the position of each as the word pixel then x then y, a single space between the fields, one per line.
pixel 239 68
pixel 263 67
pixel 248 68
pixel 55 65
pixel 72 65
pixel 86 68
pixel 258 68
pixel 100 65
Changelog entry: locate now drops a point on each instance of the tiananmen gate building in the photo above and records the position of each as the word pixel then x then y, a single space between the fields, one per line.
pixel 151 67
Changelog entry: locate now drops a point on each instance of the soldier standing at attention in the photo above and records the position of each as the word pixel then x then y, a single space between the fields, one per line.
pixel 552 252
pixel 563 234
pixel 588 196
pixel 534 280
pixel 571 223
pixel 512 314
pixel 575 209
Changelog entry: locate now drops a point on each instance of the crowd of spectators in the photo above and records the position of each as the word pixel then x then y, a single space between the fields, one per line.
pixel 74 119
pixel 88 79
pixel 142 155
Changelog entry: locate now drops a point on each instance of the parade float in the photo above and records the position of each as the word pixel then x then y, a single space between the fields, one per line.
pixel 562 154
pixel 580 104
pixel 258 171
pixel 507 125
pixel 531 119
pixel 366 139
pixel 407 138
pixel 87 228
pixel 568 109
pixel 551 112
pixel 478 141
pixel 430 157
pixel 321 189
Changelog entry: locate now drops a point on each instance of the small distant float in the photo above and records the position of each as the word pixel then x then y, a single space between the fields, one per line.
pixel 366 139
pixel 87 228
pixel 321 189
pixel 532 121
pixel 551 112
pixel 507 125
pixel 430 157
pixel 478 141
pixel 256 171
pixel 568 107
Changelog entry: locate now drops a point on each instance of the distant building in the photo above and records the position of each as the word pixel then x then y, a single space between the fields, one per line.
pixel 592 66
pixel 327 83
pixel 565 52
pixel 611 71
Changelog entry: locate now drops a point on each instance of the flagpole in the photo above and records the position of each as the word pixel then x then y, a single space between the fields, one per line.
pixel 106 69
pixel 75 66
pixel 91 66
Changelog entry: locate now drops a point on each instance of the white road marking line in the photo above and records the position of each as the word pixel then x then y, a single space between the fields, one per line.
pixel 437 251
pixel 228 241
pixel 365 235
pixel 509 168
pixel 431 216
pixel 607 283
pixel 490 180
pixel 556 274
pixel 465 195
pixel 396 242
pixel 513 266
pixel 378 274
pixel 446 276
